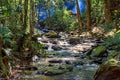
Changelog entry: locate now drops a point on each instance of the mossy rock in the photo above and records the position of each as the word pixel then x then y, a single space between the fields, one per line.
pixel 75 40
pixel 109 70
pixel 117 57
pixel 66 67
pixel 52 71
pixel 98 51
pixel 112 54
pixel 52 34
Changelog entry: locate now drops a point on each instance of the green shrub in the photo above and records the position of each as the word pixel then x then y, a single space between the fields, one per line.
pixel 62 20
pixel 6 35
pixel 34 47
pixel 107 26
pixel 113 41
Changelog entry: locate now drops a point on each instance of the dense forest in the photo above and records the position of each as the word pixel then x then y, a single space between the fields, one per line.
pixel 59 39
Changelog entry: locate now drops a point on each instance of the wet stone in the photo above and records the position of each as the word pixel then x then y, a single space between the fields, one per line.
pixel 55 61
pixel 40 72
pixel 32 68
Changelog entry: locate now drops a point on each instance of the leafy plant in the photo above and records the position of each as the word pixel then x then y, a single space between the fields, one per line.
pixel 62 20
pixel 107 26
pixel 113 41
pixel 97 9
pixel 34 47
pixel 6 35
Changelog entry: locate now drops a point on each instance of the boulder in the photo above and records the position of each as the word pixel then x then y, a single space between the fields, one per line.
pixel 55 47
pixel 74 40
pixel 110 70
pixel 98 51
pixel 30 68
pixel 55 61
pixel 52 34
pixel 66 67
pixel 52 71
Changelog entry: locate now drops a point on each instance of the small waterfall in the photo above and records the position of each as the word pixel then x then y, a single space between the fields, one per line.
pixel 50 46
pixel 63 43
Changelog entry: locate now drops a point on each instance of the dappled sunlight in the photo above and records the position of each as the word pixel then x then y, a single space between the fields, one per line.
pixel 59 39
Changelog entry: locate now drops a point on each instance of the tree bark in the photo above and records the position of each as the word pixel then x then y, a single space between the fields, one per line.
pixel 88 14
pixel 21 14
pixel 4 67
pixel 32 17
pixel 25 14
pixel 107 11
pixel 79 17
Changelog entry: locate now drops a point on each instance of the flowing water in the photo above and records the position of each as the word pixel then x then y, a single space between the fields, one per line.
pixel 84 71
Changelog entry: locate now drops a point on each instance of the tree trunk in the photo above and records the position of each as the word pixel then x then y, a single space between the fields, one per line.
pixel 21 14
pixel 88 14
pixel 48 18
pixel 32 17
pixel 107 11
pixel 25 14
pixel 24 27
pixel 79 17
pixel 38 13
pixel 4 67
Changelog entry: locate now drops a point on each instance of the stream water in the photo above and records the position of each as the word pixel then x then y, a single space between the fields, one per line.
pixel 58 60
pixel 85 71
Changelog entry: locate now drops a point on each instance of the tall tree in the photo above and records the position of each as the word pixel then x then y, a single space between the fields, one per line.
pixel 25 14
pixel 88 14
pixel 79 17
pixel 32 16
pixel 21 14
pixel 107 11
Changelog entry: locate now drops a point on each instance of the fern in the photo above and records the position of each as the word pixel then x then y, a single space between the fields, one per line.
pixel 113 41
pixel 6 35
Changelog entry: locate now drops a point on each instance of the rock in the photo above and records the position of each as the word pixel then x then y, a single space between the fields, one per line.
pixel 54 42
pixel 55 61
pixel 110 70
pixel 46 47
pixel 53 71
pixel 74 40
pixel 52 34
pixel 98 51
pixel 50 56
pixel 35 58
pixel 70 68
pixel 66 67
pixel 44 41
pixel 32 68
pixel 78 63
pixel 39 72
pixel 55 47
pixel 97 32
pixel 68 62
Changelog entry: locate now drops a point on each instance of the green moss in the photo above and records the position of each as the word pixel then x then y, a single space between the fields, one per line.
pixel 74 40
pixel 51 34
pixel 98 51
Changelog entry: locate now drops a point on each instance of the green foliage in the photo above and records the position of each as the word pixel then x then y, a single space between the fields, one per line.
pixel 6 35
pixel 107 26
pixel 73 25
pixel 113 41
pixel 97 9
pixel 35 47
pixel 63 20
